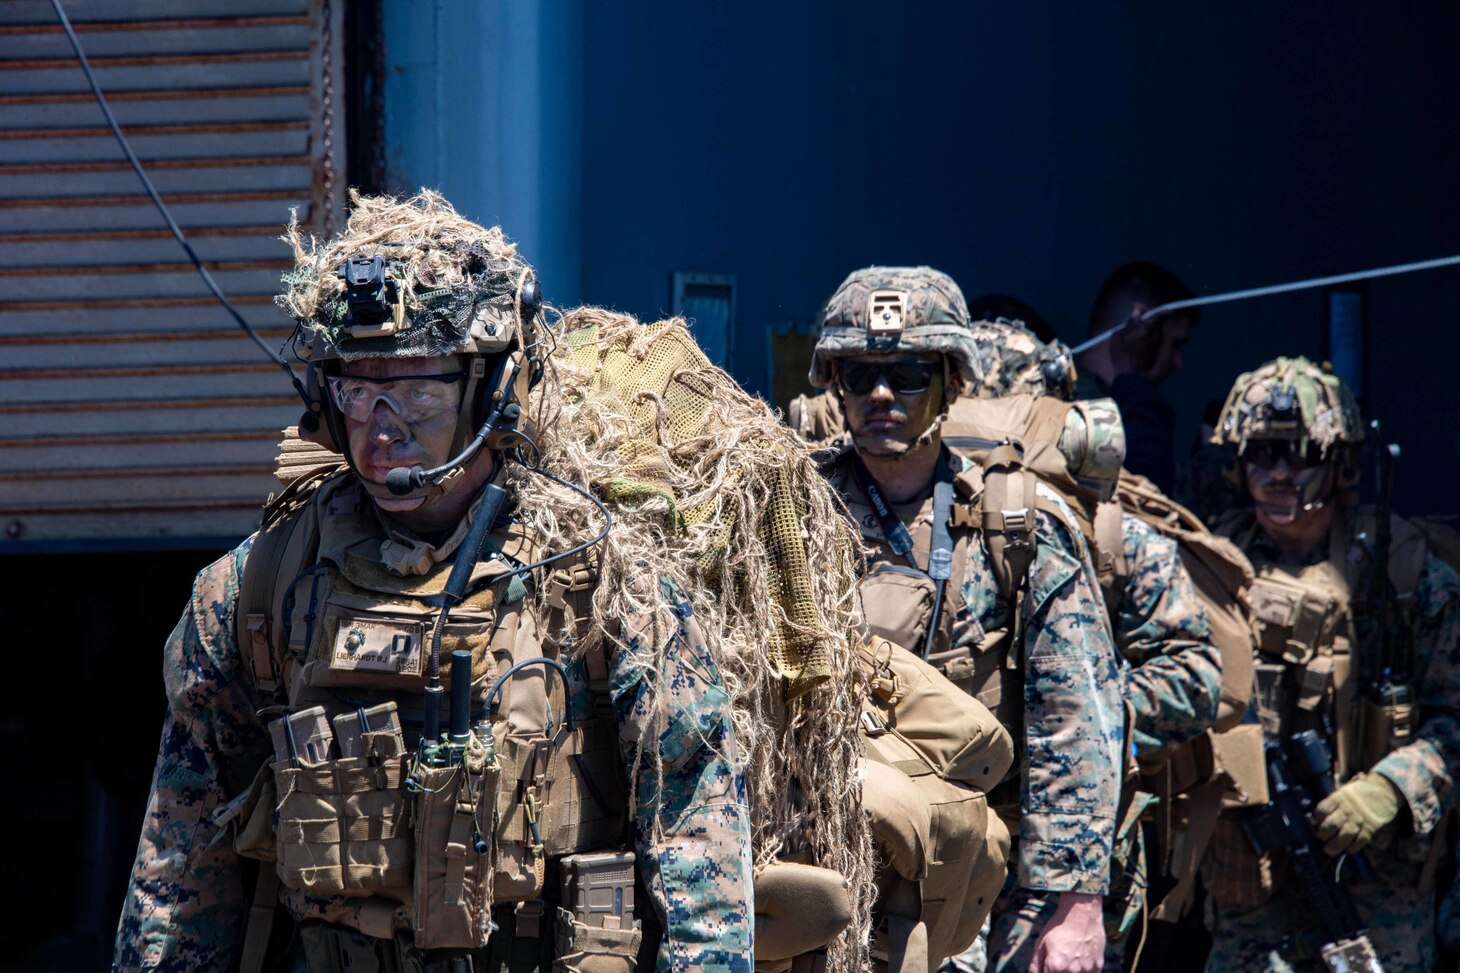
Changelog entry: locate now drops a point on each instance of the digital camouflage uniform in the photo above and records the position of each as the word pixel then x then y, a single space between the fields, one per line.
pixel 1398 911
pixel 455 289
pixel 1069 708
pixel 186 901
pixel 1293 400
pixel 1068 779
pixel 1171 677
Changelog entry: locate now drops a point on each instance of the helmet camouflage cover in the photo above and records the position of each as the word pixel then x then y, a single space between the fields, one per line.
pixel 890 309
pixel 1015 362
pixel 407 278
pixel 1291 399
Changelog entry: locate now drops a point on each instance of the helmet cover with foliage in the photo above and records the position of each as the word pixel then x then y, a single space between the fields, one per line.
pixel 1016 362
pixel 892 309
pixel 413 278
pixel 1294 400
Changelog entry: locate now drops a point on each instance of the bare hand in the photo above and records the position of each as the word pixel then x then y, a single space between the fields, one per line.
pixel 1074 939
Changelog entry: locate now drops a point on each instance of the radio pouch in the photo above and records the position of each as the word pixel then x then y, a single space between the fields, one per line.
pixel 453 874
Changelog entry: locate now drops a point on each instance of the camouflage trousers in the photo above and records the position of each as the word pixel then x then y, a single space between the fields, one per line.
pixel 1020 915
pixel 1398 913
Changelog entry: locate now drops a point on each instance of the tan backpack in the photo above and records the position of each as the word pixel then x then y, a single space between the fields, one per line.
pixel 933 753
pixel 1222 576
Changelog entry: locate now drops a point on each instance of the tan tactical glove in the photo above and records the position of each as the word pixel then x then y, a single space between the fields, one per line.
pixel 1349 818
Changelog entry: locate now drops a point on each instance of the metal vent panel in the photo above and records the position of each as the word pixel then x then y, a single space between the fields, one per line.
pixel 131 405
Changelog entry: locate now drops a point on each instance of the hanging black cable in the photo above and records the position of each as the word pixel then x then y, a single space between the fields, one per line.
pixel 162 207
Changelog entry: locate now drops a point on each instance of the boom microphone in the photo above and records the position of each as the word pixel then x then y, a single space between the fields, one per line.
pixel 404 479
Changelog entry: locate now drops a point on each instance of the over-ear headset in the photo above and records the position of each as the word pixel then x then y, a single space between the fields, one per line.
pixel 493 400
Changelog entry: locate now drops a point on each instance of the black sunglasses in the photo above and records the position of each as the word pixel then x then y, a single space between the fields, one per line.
pixel 1267 453
pixel 905 377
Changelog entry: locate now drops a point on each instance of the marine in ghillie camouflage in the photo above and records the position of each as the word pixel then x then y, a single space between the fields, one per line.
pixel 731 665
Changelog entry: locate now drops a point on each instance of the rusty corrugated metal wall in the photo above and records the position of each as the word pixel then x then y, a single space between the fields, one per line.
pixel 132 407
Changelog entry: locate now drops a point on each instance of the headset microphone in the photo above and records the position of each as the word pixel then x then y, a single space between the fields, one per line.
pixel 404 479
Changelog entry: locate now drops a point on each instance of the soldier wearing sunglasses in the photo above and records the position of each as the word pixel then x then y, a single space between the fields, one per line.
pixel 1356 641
pixel 895 350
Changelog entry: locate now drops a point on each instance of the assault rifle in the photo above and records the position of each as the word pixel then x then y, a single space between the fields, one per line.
pixel 1285 824
pixel 1387 708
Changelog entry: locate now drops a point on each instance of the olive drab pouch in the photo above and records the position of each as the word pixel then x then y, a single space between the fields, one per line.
pixel 596 932
pixel 898 603
pixel 453 875
pixel 1242 766
pixel 559 795
pixel 1290 618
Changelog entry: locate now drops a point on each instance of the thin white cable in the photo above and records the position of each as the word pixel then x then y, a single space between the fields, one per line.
pixel 1298 285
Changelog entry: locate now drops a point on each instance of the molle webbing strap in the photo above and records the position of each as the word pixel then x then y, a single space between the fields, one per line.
pixel 260 920
pixel 285 544
pixel 1008 518
pixel 1108 541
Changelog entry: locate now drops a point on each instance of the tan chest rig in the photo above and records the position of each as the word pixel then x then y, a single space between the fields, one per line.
pixel 324 623
pixel 1306 672
pixel 1306 678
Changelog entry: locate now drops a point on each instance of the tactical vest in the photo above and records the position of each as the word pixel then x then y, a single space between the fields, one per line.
pixel 322 622
pixel 1306 678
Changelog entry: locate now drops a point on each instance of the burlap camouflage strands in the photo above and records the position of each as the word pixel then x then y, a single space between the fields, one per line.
pixel 1291 399
pixel 895 309
pixel 458 282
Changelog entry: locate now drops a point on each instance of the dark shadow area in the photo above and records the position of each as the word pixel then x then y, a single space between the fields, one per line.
pixel 80 712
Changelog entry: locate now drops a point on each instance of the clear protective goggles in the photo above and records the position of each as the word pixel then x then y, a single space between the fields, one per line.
pixel 415 398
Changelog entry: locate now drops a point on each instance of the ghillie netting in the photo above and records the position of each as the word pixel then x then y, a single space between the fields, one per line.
pixel 710 491
pixel 448 270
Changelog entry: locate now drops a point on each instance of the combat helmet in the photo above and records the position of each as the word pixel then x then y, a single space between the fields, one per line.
pixel 1290 399
pixel 1294 400
pixel 408 278
pixel 1016 362
pixel 890 309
